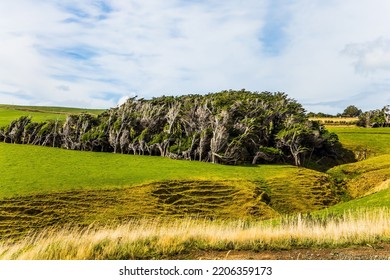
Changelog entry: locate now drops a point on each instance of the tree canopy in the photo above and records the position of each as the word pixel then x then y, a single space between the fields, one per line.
pixel 351 111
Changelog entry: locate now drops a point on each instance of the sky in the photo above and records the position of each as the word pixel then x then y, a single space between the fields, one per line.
pixel 327 55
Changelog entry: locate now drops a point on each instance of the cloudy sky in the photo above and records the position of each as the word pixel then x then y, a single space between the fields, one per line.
pixel 94 53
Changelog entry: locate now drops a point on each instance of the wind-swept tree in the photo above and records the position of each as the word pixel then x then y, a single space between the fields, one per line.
pixel 227 127
pixel 375 118
pixel 293 136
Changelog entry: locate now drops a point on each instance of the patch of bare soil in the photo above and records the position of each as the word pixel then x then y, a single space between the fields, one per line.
pixel 368 252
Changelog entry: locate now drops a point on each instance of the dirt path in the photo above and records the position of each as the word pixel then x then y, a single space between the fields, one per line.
pixel 377 252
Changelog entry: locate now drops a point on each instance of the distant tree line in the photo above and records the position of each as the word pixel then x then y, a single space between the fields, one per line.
pixel 350 112
pixel 227 127
pixel 319 115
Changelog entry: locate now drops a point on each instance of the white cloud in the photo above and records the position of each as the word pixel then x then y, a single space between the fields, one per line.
pixel 370 57
pixel 90 53
pixel 313 68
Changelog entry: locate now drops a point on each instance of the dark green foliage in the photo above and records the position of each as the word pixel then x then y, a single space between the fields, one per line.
pixel 351 111
pixel 319 115
pixel 228 127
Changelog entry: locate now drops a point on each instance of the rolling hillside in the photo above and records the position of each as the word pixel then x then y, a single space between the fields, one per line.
pixel 45 182
pixel 9 113
pixel 367 181
pixel 43 187
pixel 364 142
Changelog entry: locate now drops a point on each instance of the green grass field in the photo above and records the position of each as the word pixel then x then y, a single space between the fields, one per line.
pixel 379 200
pixel 9 113
pixel 46 182
pixel 44 187
pixel 367 181
pixel 375 141
pixel 29 170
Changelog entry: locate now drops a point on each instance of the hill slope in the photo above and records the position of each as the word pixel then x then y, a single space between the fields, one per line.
pixel 367 181
pixel 43 187
pixel 364 142
pixel 39 185
pixel 364 177
pixel 9 113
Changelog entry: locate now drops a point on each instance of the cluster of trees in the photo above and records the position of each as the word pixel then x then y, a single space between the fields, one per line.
pixel 375 118
pixel 227 127
pixel 319 115
pixel 350 112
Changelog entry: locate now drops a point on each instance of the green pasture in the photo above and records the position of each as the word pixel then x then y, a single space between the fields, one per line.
pixel 9 113
pixel 41 187
pixel 29 169
pixel 368 176
pixel 375 141
pixel 368 203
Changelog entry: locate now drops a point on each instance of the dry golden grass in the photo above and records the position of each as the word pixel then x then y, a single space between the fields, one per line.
pixel 336 121
pixel 162 239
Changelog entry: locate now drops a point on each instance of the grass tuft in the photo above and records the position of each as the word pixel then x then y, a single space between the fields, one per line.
pixel 165 239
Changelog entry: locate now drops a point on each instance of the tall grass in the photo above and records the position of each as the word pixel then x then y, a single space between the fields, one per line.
pixel 163 239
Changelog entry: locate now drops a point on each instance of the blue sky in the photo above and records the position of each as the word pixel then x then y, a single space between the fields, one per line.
pixel 95 53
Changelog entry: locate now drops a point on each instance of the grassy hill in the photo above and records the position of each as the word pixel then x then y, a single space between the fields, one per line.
pixel 366 181
pixel 364 141
pixel 364 177
pixel 43 188
pixel 29 170
pixel 45 183
pixel 9 113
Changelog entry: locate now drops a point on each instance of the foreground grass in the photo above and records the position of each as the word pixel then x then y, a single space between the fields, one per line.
pixel 165 239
